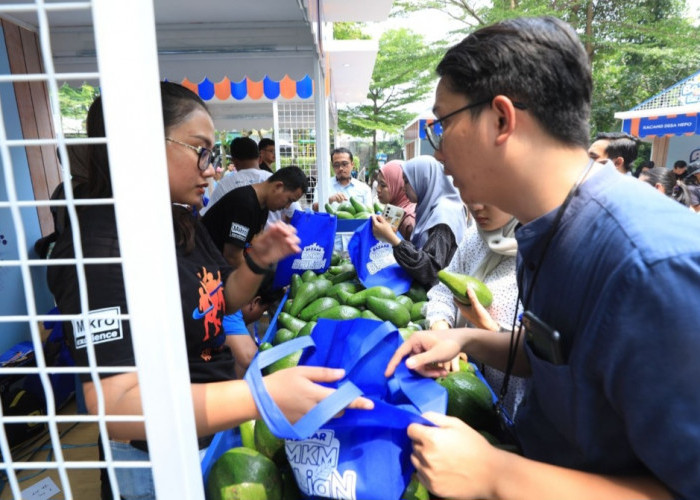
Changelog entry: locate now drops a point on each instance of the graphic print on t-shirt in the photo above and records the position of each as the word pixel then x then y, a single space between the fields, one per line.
pixel 211 302
pixel 238 231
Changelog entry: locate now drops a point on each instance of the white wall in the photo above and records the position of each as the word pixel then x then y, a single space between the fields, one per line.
pixel 683 148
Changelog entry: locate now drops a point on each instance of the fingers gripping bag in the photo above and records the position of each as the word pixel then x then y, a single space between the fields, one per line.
pixel 317 234
pixel 363 454
pixel 375 263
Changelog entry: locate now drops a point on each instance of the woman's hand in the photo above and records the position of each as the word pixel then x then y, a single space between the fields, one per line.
pixel 296 392
pixel 453 460
pixel 477 314
pixel 274 244
pixel 429 349
pixel 383 231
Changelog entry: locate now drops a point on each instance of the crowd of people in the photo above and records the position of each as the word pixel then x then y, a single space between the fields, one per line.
pixel 515 195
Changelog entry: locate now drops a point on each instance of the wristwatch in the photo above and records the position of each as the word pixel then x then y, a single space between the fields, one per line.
pixel 256 268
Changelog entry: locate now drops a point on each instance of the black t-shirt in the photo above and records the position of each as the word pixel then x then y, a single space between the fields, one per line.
pixel 201 275
pixel 235 218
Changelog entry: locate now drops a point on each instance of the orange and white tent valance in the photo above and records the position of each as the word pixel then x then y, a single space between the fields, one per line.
pixel 286 88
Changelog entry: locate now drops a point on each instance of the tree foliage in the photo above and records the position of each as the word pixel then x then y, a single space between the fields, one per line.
pixel 403 74
pixel 75 102
pixel 349 31
pixel 637 48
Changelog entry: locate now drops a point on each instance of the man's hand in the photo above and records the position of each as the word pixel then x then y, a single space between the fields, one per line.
pixel 428 349
pixel 453 460
pixel 337 197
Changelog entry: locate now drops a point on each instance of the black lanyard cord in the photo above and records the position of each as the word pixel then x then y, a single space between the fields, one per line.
pixel 515 336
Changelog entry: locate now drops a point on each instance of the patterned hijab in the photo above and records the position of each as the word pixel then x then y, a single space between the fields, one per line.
pixel 393 176
pixel 438 199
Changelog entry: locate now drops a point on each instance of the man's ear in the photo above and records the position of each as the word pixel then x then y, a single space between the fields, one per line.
pixel 506 116
pixel 619 163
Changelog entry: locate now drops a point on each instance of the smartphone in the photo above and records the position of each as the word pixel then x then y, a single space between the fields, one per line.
pixel 544 340
pixel 393 215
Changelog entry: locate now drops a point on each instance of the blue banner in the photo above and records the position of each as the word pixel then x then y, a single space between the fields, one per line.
pixel 663 125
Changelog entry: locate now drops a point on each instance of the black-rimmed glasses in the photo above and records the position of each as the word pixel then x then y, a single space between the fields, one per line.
pixel 205 157
pixel 435 138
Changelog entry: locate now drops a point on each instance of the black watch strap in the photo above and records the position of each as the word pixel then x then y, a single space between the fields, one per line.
pixel 254 267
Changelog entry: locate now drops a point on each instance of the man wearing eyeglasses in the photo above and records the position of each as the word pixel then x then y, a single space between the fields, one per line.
pixel 344 185
pixel 611 407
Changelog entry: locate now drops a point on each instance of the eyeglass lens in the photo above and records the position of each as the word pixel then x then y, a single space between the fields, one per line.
pixel 205 158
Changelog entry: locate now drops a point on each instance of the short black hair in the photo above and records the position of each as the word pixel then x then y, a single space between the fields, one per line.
pixel 680 164
pixel 244 148
pixel 666 178
pixel 538 61
pixel 292 178
pixel 265 142
pixel 649 164
pixel 340 151
pixel 620 145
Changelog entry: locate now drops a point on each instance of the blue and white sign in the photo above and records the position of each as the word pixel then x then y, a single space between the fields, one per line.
pixel 664 125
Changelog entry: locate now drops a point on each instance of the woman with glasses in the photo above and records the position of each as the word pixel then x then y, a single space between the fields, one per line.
pixel 440 221
pixel 208 290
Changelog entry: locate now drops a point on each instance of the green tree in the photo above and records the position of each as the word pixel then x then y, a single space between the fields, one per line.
pixel 403 74
pixel 349 31
pixel 636 48
pixel 74 102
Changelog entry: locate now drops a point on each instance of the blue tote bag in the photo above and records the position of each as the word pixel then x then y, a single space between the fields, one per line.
pixel 317 234
pixel 375 263
pixel 364 454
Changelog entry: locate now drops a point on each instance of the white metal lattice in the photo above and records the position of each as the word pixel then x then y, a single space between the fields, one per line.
pixel 297 139
pixel 125 45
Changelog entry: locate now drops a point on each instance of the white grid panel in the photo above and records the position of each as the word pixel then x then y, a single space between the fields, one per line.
pixel 126 46
pixel 297 126
pixel 675 96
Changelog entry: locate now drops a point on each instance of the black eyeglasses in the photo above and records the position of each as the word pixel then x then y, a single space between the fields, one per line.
pixel 435 138
pixel 205 157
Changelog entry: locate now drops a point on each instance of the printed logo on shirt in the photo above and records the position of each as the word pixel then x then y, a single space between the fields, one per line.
pixel 238 231
pixel 314 462
pixel 104 325
pixel 211 304
pixel 312 257
pixel 381 256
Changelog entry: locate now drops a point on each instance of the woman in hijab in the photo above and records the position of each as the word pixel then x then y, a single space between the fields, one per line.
pixel 487 252
pixel 390 190
pixel 440 221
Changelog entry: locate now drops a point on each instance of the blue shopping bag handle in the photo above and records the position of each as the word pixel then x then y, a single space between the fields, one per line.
pixel 424 396
pixel 371 341
pixel 279 425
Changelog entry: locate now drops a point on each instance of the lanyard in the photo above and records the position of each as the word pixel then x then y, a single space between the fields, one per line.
pixel 515 335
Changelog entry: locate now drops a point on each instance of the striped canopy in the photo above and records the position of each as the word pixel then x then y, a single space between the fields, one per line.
pixel 286 88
